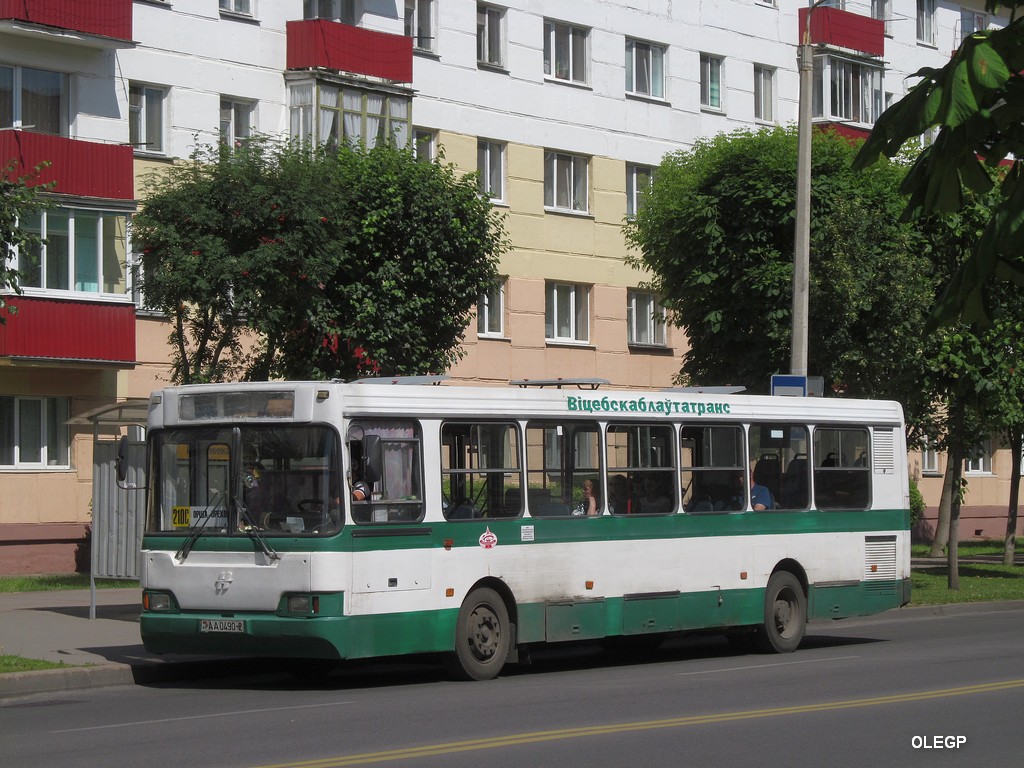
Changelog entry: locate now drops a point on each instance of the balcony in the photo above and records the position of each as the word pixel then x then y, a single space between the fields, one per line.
pixel 320 44
pixel 842 29
pixel 53 330
pixel 91 23
pixel 82 168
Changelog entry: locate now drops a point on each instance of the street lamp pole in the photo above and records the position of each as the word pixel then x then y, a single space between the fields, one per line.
pixel 802 239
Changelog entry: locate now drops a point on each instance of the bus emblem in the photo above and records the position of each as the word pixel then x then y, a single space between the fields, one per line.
pixel 488 540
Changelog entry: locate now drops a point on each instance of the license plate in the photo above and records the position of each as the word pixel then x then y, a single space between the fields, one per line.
pixel 221 625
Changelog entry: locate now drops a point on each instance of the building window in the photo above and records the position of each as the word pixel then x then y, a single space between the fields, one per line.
pixel 351 114
pixel 710 81
pixel 645 69
pixel 425 144
pixel 926 22
pixel 490 312
pixel 420 24
pixel 33 100
pixel 979 460
pixel 565 182
pixel 565 52
pixel 490 45
pixel 490 166
pixel 235 121
pixel 146 118
pixel 34 433
pixel 971 22
pixel 82 250
pixel 929 460
pixel 764 93
pixel 242 7
pixel 567 312
pixel 331 10
pixel 639 179
pixel 882 9
pixel 645 319
pixel 854 92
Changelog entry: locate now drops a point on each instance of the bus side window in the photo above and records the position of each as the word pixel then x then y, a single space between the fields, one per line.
pixel 644 454
pixel 839 482
pixel 481 475
pixel 560 457
pixel 778 462
pixel 712 474
pixel 396 496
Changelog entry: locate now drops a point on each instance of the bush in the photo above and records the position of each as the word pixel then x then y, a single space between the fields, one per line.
pixel 916 503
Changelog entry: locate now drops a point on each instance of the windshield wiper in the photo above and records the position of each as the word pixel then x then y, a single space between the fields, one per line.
pixel 254 531
pixel 198 531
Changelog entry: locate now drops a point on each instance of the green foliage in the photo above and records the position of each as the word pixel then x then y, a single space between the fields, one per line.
pixel 334 264
pixel 19 199
pixel 917 505
pixel 717 232
pixel 977 102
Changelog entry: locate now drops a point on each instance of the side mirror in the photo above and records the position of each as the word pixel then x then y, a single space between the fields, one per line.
pixel 373 459
pixel 121 463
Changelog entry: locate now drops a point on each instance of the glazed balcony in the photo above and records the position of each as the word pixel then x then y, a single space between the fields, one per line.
pixel 842 29
pixel 92 23
pixel 321 44
pixel 82 168
pixel 45 329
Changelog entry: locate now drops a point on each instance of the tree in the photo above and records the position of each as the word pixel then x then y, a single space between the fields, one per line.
pixel 19 200
pixel 276 260
pixel 716 231
pixel 977 103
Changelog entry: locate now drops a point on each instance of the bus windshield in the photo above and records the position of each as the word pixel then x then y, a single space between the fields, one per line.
pixel 229 480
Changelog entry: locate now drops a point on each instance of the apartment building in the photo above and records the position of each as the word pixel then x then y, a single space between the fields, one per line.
pixel 565 109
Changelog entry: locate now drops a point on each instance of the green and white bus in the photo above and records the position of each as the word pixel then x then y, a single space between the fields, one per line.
pixel 477 537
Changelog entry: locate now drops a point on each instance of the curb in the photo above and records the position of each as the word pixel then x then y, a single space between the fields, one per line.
pixel 70 679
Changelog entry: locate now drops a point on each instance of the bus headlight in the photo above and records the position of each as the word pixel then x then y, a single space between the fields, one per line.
pixel 304 604
pixel 156 601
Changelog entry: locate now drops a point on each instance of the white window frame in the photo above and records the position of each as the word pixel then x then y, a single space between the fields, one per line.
pixel 567 305
pixel 848 82
pixel 926 22
pixel 61 260
pixel 641 57
pixel 566 182
pixel 328 113
pixel 639 179
pixel 576 61
pixel 236 120
pixel 421 24
pixel 490 312
pixel 237 7
pixel 490 42
pixel 712 78
pixel 54 440
pixel 16 119
pixel 645 319
pixel 979 462
pixel 151 98
pixel 764 93
pixel 344 11
pixel 882 10
pixel 424 144
pixel 972 21
pixel 490 166
pixel 929 460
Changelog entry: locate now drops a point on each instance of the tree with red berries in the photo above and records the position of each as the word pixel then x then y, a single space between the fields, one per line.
pixel 281 261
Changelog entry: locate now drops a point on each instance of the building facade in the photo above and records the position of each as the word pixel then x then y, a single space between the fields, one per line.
pixel 565 109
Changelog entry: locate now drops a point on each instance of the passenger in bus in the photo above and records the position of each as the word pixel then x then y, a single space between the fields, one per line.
pixel 588 506
pixel 619 502
pixel 652 500
pixel 760 497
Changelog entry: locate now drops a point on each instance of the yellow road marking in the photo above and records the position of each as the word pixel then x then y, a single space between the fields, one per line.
pixel 434 750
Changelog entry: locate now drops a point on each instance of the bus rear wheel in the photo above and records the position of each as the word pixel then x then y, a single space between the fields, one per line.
pixel 482 637
pixel 785 614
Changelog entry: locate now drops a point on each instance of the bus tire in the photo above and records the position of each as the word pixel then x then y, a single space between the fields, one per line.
pixel 482 637
pixel 785 614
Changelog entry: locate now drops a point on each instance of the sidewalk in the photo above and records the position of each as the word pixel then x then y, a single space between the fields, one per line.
pixel 55 626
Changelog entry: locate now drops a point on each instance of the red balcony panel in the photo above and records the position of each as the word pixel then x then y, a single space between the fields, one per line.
pixel 105 18
pixel 341 47
pixel 849 132
pixel 53 329
pixel 83 168
pixel 843 29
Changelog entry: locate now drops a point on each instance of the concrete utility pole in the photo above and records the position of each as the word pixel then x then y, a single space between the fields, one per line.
pixel 802 239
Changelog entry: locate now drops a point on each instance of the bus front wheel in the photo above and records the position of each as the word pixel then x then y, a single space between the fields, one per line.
pixel 785 614
pixel 482 637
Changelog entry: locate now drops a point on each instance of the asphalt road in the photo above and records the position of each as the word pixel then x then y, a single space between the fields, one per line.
pixel 919 687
